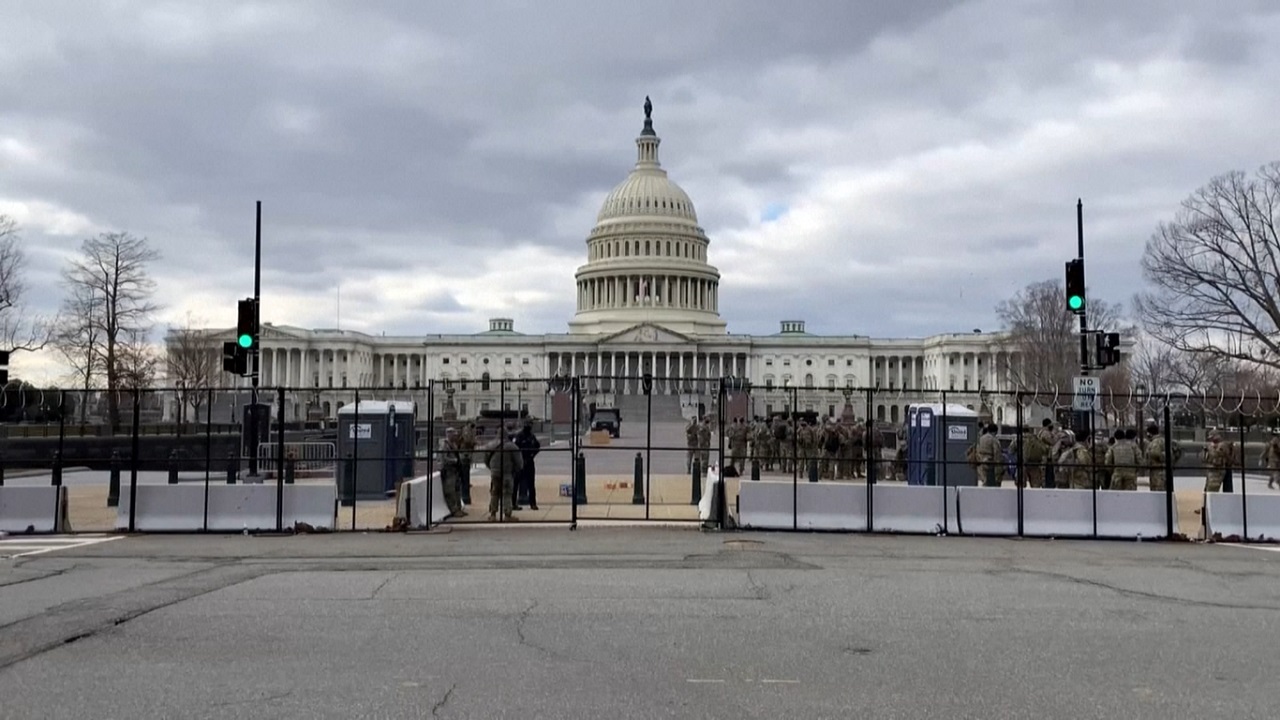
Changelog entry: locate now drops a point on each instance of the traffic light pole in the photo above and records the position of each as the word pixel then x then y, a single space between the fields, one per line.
pixel 1083 423
pixel 254 353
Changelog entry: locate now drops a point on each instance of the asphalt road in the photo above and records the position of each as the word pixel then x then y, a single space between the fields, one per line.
pixel 629 623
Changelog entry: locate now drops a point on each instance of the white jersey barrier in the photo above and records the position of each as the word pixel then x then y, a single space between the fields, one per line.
pixel 987 511
pixel 181 508
pixel 31 509
pixel 1225 516
pixel 913 509
pixel 412 502
pixel 769 505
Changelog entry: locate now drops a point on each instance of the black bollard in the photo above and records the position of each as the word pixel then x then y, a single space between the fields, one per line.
pixel 113 480
pixel 695 494
pixel 580 480
pixel 813 471
pixel 233 467
pixel 57 469
pixel 173 467
pixel 755 469
pixel 1 471
pixel 637 486
pixel 289 470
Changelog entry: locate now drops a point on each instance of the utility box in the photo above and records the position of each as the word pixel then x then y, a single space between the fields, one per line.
pixel 939 435
pixel 256 427
pixel 375 448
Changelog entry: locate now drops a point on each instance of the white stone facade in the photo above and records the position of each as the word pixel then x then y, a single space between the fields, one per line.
pixel 647 303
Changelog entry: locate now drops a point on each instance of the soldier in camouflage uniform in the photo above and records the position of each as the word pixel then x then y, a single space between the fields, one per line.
pixel 450 471
pixel 760 449
pixel 466 446
pixel 782 437
pixel 1122 459
pixel 832 441
pixel 857 450
pixel 1271 459
pixel 1217 459
pixel 738 436
pixel 691 444
pixel 704 443
pixel 1073 468
pixel 989 456
pixel 876 441
pixel 1035 453
pixel 1051 440
pixel 1156 456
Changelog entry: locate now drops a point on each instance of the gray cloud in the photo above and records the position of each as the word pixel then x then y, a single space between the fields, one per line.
pixel 929 153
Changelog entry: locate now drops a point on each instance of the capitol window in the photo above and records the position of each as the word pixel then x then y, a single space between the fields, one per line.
pixel 445 361
pixel 506 361
pixel 831 363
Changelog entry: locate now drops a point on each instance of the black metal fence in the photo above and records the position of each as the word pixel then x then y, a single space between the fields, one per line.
pixel 630 448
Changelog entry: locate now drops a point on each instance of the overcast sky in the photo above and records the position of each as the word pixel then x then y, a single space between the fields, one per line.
pixel 889 168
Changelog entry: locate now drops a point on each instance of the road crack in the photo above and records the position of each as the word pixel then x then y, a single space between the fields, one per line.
pixel 374 595
pixel 1142 593
pixel 435 709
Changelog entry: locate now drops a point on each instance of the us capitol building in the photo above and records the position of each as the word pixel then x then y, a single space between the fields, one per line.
pixel 647 302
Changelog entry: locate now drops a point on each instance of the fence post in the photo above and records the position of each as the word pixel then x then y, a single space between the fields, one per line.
pixel 812 470
pixel 1022 470
pixel 134 460
pixel 1244 493
pixel 1168 470
pixel 580 481
pixel 57 469
pixel 696 486
pixel 173 466
pixel 233 467
pixel 853 472
pixel 755 469
pixel 113 480
pixel 637 491
pixel 289 468
pixel 280 459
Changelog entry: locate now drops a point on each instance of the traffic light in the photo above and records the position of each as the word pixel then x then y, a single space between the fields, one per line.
pixel 235 359
pixel 1075 286
pixel 1108 349
pixel 247 325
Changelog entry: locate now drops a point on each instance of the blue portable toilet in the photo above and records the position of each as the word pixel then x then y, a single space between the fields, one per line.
pixel 928 435
pixel 377 452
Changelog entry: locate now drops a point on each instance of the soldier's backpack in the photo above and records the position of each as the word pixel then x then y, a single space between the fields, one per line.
pixel 971 455
pixel 833 442
pixel 780 432
pixel 1035 448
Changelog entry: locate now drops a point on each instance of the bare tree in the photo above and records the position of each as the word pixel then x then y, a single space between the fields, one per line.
pixel 138 362
pixel 192 366
pixel 1044 338
pixel 114 268
pixel 1215 271
pixel 76 337
pixel 19 329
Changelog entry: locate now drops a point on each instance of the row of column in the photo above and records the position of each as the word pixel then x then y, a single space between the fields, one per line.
pixel 636 290
pixel 622 370
pixel 302 368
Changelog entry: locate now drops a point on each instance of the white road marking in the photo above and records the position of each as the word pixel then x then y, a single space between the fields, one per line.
pixel 27 545
pixel 1269 548
pixel 697 680
pixel 780 682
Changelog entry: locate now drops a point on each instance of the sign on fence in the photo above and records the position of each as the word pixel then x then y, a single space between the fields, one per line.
pixel 361 431
pixel 1086 394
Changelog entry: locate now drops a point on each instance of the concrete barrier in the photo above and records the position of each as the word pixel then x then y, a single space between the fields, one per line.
pixel 1057 513
pixel 987 511
pixel 181 508
pixel 765 505
pixel 31 508
pixel 1128 514
pixel 831 506
pixel 1225 515
pixel 912 509
pixel 411 502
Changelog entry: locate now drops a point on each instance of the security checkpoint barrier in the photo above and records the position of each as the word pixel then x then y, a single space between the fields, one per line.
pixel 307 456
pixel 766 505
pixel 912 509
pixel 831 506
pixel 1057 513
pixel 412 501
pixel 1121 514
pixel 182 508
pixel 987 511
pixel 1129 514
pixel 1225 516
pixel 31 509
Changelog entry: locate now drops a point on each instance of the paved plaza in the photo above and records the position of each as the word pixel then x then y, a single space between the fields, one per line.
pixel 637 623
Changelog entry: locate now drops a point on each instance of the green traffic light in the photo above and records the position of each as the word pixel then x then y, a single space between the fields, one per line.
pixel 246 341
pixel 1075 302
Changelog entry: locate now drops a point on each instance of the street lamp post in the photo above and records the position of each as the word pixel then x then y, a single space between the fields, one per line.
pixel 1140 396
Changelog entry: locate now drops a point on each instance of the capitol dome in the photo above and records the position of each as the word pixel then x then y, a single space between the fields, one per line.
pixel 647 256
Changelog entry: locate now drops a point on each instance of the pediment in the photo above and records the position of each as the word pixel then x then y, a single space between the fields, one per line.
pixel 646 334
